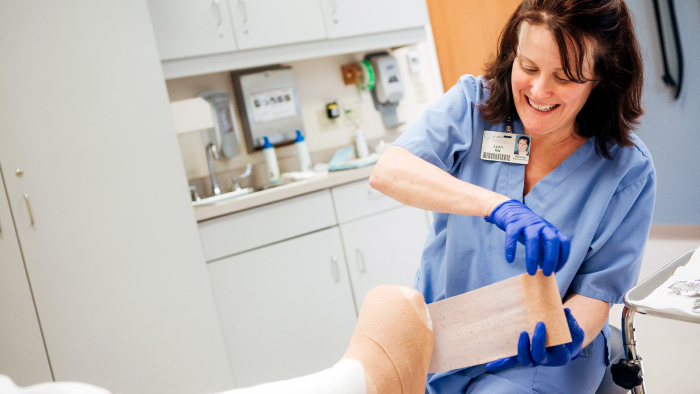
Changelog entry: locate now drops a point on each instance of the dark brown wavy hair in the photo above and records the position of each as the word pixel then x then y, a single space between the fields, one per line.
pixel 614 106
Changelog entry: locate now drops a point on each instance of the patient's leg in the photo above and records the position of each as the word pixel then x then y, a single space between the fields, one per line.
pixel 389 353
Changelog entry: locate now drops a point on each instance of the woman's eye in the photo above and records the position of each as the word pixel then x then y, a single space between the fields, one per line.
pixel 528 70
pixel 562 80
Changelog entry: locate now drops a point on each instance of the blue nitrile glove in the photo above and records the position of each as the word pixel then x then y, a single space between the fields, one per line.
pixel 553 356
pixel 545 246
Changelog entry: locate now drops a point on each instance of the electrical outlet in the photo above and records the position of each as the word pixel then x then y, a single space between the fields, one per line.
pixel 352 113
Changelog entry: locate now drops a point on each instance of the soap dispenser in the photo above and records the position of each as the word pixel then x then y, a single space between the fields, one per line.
pixel 273 169
pixel 303 151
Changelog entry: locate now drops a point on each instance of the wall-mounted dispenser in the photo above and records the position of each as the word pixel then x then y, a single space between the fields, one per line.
pixel 380 74
pixel 388 89
pixel 224 135
pixel 268 104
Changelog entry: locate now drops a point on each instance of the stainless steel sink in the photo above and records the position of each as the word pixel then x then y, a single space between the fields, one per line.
pixel 222 197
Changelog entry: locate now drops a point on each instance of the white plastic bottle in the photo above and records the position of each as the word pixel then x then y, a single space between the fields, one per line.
pixel 273 169
pixel 303 151
pixel 361 143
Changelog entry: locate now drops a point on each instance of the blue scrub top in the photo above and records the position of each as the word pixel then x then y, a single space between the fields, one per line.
pixel 604 206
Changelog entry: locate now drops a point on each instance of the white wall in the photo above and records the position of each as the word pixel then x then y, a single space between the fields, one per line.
pixel 670 128
pixel 319 81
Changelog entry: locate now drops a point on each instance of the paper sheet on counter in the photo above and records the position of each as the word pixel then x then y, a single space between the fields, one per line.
pixel 484 325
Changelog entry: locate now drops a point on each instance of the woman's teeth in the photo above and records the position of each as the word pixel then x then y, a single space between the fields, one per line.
pixel 543 108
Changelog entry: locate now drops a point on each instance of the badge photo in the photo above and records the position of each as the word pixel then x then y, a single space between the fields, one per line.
pixel 522 145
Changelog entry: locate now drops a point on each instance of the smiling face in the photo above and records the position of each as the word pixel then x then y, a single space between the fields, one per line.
pixel 522 145
pixel 546 100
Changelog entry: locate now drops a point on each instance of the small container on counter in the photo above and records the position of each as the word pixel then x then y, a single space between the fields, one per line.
pixel 303 152
pixel 361 143
pixel 273 169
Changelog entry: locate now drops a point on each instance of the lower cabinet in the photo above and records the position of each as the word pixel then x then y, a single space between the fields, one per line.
pixel 22 354
pixel 285 293
pixel 384 248
pixel 285 309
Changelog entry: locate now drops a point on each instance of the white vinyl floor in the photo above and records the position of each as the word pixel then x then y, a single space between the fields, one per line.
pixel 670 349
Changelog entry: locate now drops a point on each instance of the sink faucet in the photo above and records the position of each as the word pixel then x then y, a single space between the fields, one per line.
pixel 213 151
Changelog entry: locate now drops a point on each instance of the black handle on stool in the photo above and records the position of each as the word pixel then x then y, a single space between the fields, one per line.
pixel 627 374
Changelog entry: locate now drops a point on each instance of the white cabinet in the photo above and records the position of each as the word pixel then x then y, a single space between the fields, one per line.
pixel 264 225
pixel 110 244
pixel 191 28
pixel 346 18
pixel 384 249
pixel 22 354
pixel 197 36
pixel 263 23
pixel 383 239
pixel 286 308
pixel 280 275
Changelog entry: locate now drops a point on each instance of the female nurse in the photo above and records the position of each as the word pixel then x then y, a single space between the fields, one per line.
pixel 567 73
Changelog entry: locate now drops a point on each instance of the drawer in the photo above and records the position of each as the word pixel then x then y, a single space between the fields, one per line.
pixel 358 199
pixel 264 225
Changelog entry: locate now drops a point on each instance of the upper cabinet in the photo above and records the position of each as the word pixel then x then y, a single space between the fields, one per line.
pixel 346 18
pixel 191 28
pixel 201 36
pixel 264 23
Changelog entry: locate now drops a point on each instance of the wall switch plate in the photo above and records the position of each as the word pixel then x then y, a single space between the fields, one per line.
pixel 414 64
pixel 352 113
pixel 325 123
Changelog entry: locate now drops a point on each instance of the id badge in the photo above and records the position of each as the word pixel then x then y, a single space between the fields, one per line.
pixel 505 147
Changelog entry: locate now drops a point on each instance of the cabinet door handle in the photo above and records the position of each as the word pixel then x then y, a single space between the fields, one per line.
pixel 220 18
pixel 29 209
pixel 334 11
pixel 244 9
pixel 334 269
pixel 360 260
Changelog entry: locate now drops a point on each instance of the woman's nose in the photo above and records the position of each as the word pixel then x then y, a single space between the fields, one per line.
pixel 541 88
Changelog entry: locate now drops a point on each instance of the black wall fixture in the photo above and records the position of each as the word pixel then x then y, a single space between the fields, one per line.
pixel 670 16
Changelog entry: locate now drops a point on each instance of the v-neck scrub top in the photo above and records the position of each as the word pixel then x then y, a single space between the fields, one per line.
pixel 604 206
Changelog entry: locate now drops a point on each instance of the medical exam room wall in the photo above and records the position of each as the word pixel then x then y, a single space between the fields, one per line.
pixel 319 82
pixel 670 128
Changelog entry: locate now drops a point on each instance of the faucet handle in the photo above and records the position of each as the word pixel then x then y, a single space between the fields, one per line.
pixel 246 174
pixel 194 195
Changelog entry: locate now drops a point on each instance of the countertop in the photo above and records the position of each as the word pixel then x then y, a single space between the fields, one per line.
pixel 279 193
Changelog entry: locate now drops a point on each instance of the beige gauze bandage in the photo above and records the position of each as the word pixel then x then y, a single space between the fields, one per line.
pixel 484 325
pixel 393 340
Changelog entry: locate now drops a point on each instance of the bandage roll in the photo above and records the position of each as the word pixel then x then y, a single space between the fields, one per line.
pixel 393 340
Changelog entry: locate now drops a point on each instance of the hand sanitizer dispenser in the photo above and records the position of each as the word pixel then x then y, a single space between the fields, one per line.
pixel 388 85
pixel 388 89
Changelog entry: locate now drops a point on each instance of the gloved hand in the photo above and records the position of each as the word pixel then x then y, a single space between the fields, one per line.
pixel 545 246
pixel 554 356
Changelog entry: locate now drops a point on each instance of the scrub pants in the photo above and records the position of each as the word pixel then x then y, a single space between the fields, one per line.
pixel 582 375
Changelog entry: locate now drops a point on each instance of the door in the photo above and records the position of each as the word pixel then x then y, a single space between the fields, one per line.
pixel 263 23
pixel 191 28
pixel 22 354
pixel 466 34
pixel 384 248
pixel 107 230
pixel 346 18
pixel 286 309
